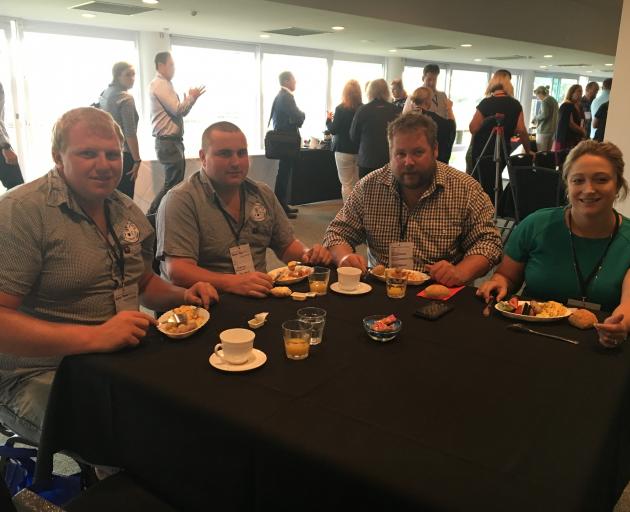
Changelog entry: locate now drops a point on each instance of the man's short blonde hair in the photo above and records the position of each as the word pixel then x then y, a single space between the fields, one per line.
pixel 378 89
pixel 97 120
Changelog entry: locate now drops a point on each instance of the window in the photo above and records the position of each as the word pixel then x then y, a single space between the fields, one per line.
pixel 344 70
pixel 5 80
pixel 412 78
pixel 62 72
pixel 311 75
pixel 230 78
pixel 563 85
pixel 544 81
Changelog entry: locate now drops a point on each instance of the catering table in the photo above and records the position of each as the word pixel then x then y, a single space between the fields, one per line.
pixel 455 414
pixel 314 177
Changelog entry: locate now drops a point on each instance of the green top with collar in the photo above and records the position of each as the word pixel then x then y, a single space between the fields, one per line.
pixel 542 241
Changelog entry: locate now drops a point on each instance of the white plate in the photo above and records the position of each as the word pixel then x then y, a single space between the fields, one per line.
pixel 359 290
pixel 273 273
pixel 414 282
pixel 204 314
pixel 257 358
pixel 535 319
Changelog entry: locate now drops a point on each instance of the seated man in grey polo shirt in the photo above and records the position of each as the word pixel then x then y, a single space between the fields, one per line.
pixel 217 225
pixel 75 263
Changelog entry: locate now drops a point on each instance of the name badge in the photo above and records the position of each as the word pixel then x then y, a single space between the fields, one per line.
pixel 127 298
pixel 587 116
pixel 242 259
pixel 576 303
pixel 401 255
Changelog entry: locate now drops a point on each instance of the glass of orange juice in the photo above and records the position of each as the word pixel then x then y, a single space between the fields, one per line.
pixel 318 280
pixel 395 283
pixel 297 339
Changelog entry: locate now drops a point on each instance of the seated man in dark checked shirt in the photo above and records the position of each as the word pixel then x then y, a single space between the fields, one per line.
pixel 441 215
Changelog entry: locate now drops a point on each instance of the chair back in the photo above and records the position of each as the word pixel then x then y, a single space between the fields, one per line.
pixel 545 159
pixel 521 160
pixel 533 188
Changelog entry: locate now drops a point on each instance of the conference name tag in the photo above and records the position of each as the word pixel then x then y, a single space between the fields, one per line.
pixel 401 255
pixel 242 259
pixel 127 298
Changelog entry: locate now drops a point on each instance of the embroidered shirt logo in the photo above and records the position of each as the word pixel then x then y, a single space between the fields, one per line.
pixel 259 212
pixel 131 233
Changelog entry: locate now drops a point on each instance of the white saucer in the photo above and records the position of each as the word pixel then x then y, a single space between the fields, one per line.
pixel 256 359
pixel 359 290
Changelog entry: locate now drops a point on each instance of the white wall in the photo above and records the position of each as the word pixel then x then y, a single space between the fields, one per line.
pixel 619 113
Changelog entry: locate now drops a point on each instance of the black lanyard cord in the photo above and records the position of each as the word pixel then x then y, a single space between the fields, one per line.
pixel 403 227
pixel 116 249
pixel 228 218
pixel 585 283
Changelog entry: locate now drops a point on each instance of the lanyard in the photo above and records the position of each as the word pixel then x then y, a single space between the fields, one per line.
pixel 116 249
pixel 403 227
pixel 228 218
pixel 585 283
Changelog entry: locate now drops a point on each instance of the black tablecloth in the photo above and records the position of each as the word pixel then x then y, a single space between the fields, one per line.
pixel 314 177
pixel 456 414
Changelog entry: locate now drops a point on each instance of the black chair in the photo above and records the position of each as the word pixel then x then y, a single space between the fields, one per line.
pixel 561 156
pixel 533 188
pixel 545 159
pixel 521 160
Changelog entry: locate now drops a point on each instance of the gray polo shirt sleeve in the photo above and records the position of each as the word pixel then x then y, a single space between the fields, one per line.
pixel 177 226
pixel 282 235
pixel 128 116
pixel 21 248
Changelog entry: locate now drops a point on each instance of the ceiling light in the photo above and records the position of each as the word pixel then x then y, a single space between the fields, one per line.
pixel 589 71
pixel 393 50
pixel 548 56
pixel 543 67
pixel 338 28
pixel 150 1
pixel 88 15
pixel 477 60
pixel 264 36
pixel 608 64
pixel 465 45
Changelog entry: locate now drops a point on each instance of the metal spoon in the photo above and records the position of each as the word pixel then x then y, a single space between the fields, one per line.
pixel 522 328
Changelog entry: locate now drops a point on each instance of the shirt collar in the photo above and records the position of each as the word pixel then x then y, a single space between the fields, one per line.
pixel 439 179
pixel 248 184
pixel 286 89
pixel 59 193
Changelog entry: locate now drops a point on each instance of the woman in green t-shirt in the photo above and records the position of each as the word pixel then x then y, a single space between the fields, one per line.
pixel 581 252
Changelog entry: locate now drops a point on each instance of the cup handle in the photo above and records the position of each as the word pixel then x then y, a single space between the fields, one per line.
pixel 218 347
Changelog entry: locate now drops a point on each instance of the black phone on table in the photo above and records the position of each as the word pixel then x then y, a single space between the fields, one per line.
pixel 433 310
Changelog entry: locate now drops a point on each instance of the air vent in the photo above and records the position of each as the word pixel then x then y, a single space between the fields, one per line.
pixel 296 31
pixel 572 65
pixel 425 47
pixel 511 57
pixel 607 70
pixel 110 8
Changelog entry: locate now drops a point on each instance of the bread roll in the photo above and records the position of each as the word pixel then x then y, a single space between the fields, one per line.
pixel 583 319
pixel 281 291
pixel 436 291
pixel 379 270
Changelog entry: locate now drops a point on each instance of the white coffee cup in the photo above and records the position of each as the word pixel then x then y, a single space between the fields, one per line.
pixel 236 345
pixel 349 278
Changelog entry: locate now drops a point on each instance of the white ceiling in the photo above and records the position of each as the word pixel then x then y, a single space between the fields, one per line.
pixel 469 22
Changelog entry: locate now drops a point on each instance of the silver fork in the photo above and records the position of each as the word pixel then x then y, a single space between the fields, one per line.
pixel 522 328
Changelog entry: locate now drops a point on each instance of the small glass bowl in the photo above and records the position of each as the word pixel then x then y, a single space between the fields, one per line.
pixel 381 336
